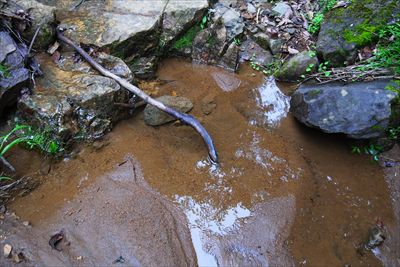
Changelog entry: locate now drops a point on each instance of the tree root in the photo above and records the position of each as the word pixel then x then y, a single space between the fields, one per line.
pixel 185 118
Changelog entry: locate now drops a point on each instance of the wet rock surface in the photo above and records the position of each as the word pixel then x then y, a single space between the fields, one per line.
pixel 153 116
pixel 74 103
pixel 359 110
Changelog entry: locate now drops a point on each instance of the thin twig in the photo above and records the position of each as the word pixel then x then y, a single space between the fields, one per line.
pixel 34 38
pixel 7 164
pixel 186 118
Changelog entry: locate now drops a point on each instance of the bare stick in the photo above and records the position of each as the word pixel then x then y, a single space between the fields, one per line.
pixel 7 164
pixel 34 38
pixel 185 118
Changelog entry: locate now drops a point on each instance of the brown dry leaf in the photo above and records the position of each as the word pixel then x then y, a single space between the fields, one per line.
pixel 173 93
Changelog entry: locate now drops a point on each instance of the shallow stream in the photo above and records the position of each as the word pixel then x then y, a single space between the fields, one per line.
pixel 284 194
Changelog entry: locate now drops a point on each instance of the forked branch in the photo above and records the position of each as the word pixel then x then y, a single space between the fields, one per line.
pixel 185 118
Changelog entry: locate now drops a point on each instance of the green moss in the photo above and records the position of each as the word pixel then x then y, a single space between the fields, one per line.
pixel 374 15
pixel 187 39
pixel 363 34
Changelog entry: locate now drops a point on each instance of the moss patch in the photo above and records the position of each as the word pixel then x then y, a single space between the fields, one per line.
pixel 363 34
pixel 187 39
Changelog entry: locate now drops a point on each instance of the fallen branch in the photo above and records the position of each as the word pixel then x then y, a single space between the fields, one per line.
pixel 350 74
pixel 185 118
pixel 7 164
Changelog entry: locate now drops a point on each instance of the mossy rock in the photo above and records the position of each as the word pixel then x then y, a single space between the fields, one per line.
pixel 298 65
pixel 346 29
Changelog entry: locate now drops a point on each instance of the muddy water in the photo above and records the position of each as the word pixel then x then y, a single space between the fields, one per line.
pixel 283 195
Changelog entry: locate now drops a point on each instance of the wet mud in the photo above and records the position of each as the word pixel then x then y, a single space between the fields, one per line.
pixel 284 194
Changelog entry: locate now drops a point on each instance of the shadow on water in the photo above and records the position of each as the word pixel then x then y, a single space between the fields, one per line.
pixel 284 194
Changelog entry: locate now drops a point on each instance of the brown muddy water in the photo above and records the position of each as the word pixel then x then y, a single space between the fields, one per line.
pixel 284 194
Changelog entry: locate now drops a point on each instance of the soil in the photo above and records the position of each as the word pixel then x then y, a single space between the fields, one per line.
pixel 284 194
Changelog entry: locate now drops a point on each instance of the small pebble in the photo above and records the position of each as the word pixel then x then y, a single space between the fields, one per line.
pixel 26 223
pixel 17 258
pixel 7 250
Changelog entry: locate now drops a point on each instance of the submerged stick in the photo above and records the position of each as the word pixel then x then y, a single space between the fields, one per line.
pixel 185 118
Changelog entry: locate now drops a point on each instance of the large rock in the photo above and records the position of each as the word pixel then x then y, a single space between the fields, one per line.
pixel 43 15
pixel 125 27
pixel 179 16
pixel 250 50
pixel 16 77
pixel 359 110
pixel 231 19
pixel 345 29
pixel 297 66
pixel 74 103
pixel 153 116
pixel 70 62
pixel 215 45
pixel 136 31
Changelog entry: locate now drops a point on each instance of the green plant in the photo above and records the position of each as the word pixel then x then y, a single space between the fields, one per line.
pixel 4 71
pixel 325 6
pixel 393 132
pixel 237 41
pixel 315 24
pixel 204 21
pixel 387 52
pixel 4 178
pixel 323 68
pixel 269 69
pixel 187 39
pixel 372 150
pixel 312 53
pixel 24 134
pixel 310 67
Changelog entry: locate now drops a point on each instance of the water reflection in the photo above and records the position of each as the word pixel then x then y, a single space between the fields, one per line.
pixel 204 219
pixel 273 103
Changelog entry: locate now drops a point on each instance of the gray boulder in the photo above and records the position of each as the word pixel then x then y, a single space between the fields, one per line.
pixel 346 29
pixel 153 116
pixel 359 110
pixel 179 16
pixel 124 27
pixel 231 19
pixel 297 66
pixel 250 50
pixel 266 42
